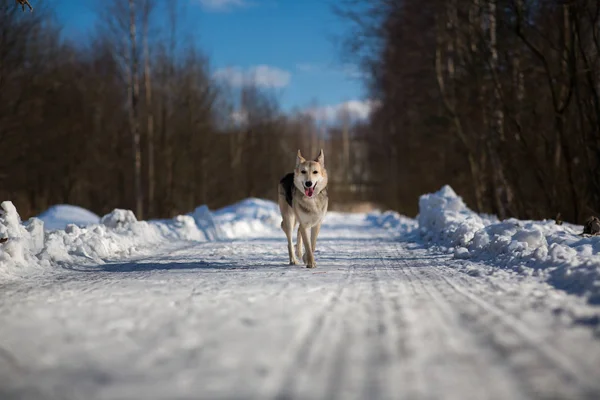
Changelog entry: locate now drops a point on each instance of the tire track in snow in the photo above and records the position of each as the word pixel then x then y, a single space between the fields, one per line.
pixel 375 386
pixel 428 332
pixel 387 324
pixel 480 372
pixel 568 370
pixel 543 370
pixel 339 356
pixel 303 349
pixel 400 343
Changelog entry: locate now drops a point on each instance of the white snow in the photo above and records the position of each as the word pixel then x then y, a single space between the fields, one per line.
pixel 250 218
pixel 23 241
pixel 381 317
pixel 556 253
pixel 398 223
pixel 119 235
pixel 568 260
pixel 204 221
pixel 61 215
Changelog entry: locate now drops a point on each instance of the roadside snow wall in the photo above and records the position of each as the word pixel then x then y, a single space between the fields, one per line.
pixel 27 248
pixel 569 260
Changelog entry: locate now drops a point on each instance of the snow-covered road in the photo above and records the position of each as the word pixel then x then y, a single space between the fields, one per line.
pixel 378 319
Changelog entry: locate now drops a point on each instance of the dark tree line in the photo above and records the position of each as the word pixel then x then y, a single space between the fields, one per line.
pixel 132 118
pixel 499 98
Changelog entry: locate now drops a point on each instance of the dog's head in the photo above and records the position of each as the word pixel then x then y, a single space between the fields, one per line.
pixel 310 177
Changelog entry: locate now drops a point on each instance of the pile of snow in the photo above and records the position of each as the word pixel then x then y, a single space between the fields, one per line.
pixel 393 221
pixel 89 240
pixel 75 236
pixel 59 216
pixel 204 221
pixel 558 252
pixel 20 242
pixel 118 218
pixel 250 218
pixel 117 235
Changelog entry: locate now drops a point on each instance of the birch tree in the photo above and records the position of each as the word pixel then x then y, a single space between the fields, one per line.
pixel 148 7
pixel 133 89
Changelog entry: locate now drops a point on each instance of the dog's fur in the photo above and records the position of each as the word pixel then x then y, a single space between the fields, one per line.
pixel 298 208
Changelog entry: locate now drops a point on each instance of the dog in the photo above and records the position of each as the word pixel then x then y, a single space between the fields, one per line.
pixel 303 201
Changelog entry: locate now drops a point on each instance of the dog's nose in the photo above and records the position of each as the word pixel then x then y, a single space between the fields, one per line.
pixel 308 184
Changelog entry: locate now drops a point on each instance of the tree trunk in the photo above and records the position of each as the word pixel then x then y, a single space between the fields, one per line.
pixel 448 93
pixel 167 111
pixel 346 146
pixel 502 194
pixel 134 126
pixel 149 111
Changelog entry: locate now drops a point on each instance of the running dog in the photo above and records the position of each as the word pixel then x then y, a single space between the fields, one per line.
pixel 303 200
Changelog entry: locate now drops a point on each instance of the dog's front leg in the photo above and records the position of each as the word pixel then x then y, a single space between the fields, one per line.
pixel 314 232
pixel 310 258
pixel 288 228
pixel 299 244
pixel 293 260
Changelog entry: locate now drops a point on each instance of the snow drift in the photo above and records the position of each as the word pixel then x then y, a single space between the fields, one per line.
pixel 568 260
pixel 20 242
pixel 393 221
pixel 87 239
pixel 61 215
pixel 250 218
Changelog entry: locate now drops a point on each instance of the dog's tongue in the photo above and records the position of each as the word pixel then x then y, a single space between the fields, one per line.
pixel 309 191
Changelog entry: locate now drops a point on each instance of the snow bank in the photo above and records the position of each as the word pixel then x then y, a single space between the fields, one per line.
pixel 250 218
pixel 61 215
pixel 568 260
pixel 393 221
pixel 204 220
pixel 20 242
pixel 88 239
pixel 117 235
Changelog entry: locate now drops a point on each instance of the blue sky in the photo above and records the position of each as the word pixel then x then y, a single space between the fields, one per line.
pixel 285 44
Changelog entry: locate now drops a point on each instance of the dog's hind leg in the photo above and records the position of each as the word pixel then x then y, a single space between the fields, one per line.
pixel 288 228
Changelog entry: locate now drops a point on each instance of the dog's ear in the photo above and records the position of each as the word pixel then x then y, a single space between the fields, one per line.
pixel 299 159
pixel 321 158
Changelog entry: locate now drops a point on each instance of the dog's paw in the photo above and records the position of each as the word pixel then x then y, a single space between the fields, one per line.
pixel 313 265
pixel 294 262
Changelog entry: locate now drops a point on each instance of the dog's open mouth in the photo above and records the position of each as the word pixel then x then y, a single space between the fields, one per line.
pixel 309 191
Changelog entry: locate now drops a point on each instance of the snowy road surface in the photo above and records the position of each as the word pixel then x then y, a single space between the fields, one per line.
pixel 378 319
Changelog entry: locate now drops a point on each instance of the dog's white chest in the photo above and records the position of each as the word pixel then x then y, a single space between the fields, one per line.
pixel 310 212
pixel 309 219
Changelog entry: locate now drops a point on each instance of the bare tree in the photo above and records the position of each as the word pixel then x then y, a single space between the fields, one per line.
pixel 148 7
pixel 133 82
pixel 517 91
pixel 24 3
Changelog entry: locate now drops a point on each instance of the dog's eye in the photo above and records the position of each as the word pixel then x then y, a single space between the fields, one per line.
pixel 303 172
pixel 315 172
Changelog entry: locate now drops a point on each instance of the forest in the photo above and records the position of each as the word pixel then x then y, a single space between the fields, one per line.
pixel 498 98
pixel 141 123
